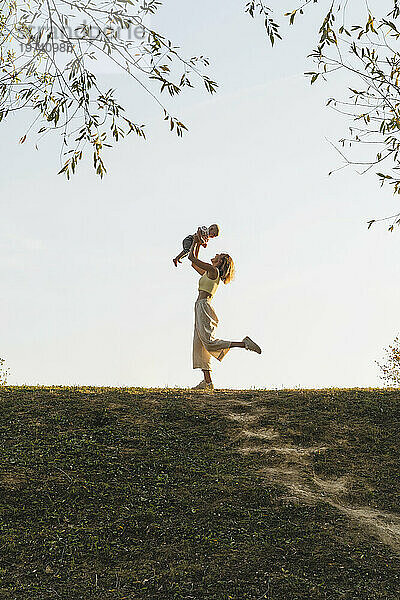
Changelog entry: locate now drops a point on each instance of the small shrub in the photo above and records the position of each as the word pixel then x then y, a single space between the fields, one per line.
pixel 3 373
pixel 390 369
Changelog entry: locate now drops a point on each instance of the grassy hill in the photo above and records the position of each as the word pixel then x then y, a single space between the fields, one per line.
pixel 139 494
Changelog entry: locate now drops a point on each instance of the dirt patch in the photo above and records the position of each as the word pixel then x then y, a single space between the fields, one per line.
pixel 383 525
pixel 333 487
pixel 242 418
pixel 262 434
pixel 13 481
pixel 291 465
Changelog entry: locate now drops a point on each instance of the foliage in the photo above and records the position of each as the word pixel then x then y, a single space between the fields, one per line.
pixel 3 372
pixel 390 369
pixel 48 54
pixel 363 46
pixel 49 49
pixel 272 28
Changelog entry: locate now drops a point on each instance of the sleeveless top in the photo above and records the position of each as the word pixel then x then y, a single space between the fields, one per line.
pixel 208 285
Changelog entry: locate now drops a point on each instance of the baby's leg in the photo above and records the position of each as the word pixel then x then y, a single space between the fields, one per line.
pixel 177 259
pixel 187 244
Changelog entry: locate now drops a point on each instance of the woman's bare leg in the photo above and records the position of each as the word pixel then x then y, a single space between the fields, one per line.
pixel 237 345
pixel 207 376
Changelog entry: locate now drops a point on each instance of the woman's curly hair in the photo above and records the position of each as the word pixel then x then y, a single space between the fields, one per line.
pixel 226 269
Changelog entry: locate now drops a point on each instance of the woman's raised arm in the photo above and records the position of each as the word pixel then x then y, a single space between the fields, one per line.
pixel 197 264
pixel 193 254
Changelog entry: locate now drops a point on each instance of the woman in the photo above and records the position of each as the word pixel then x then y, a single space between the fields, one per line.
pixel 205 344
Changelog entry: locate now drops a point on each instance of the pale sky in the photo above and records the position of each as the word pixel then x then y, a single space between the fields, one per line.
pixel 89 291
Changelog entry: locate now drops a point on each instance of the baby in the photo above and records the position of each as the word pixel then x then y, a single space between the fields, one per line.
pixel 204 234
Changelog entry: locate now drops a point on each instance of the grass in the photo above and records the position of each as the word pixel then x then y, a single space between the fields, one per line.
pixel 139 494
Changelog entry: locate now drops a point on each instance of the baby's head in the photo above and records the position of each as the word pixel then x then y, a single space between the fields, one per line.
pixel 213 230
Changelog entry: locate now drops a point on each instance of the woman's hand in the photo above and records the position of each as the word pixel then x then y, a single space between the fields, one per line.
pixel 200 266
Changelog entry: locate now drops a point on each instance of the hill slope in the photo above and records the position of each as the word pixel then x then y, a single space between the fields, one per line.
pixel 112 494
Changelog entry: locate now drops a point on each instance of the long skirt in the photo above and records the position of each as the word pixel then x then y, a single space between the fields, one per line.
pixel 205 344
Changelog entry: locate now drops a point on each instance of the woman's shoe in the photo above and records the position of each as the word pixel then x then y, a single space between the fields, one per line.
pixel 203 385
pixel 250 345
